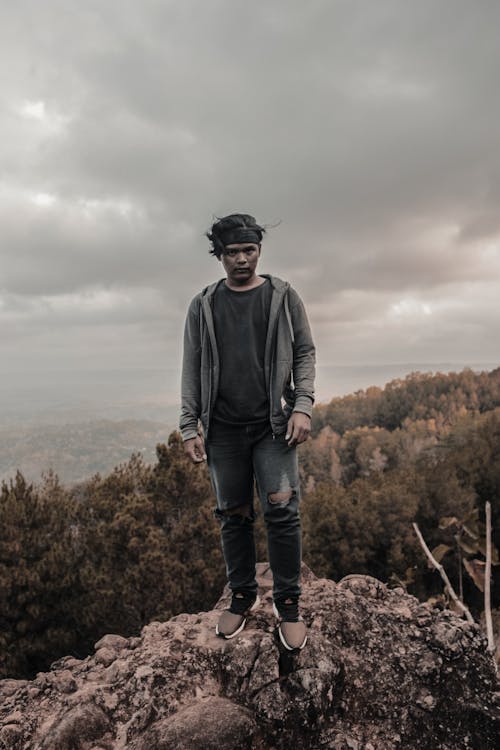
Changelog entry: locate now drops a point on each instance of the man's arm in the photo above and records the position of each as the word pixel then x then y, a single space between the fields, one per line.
pixel 191 374
pixel 304 359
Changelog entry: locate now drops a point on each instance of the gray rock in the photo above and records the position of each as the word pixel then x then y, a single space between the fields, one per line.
pixel 65 682
pixel 105 656
pixel 10 735
pixel 113 642
pixel 380 672
pixel 73 728
pixel 9 687
pixel 214 724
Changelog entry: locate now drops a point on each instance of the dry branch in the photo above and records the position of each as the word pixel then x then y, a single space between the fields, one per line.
pixel 460 605
pixel 487 582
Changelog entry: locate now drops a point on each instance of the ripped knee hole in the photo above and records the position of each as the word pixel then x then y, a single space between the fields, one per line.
pixel 280 497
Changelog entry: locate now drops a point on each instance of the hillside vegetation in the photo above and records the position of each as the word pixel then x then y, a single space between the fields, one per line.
pixel 114 552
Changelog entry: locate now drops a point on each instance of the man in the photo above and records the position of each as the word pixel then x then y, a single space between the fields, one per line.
pixel 248 377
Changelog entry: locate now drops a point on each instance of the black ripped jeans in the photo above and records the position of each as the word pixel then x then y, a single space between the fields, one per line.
pixel 238 455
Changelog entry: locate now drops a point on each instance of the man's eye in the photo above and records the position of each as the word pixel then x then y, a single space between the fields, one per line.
pixel 233 252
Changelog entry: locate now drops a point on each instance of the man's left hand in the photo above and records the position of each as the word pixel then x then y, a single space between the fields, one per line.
pixel 298 428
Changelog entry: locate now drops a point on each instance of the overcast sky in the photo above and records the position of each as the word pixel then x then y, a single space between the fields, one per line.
pixel 367 132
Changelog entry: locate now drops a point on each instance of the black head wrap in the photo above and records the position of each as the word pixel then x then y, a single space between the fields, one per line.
pixel 234 229
pixel 239 235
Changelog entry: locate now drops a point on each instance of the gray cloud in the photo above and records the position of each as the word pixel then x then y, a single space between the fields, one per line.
pixel 369 130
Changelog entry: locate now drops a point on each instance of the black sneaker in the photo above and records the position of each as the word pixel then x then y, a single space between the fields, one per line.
pixel 291 627
pixel 233 620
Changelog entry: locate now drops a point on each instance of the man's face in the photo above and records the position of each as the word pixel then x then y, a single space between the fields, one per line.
pixel 240 261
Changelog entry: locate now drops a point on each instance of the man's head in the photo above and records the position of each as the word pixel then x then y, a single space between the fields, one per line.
pixel 235 229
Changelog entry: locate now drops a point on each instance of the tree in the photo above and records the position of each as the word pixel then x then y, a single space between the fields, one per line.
pixel 37 574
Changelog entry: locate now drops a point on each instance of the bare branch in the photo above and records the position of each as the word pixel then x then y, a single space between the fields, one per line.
pixel 487 579
pixel 443 575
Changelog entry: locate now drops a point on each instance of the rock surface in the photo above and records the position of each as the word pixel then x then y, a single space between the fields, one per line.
pixel 380 671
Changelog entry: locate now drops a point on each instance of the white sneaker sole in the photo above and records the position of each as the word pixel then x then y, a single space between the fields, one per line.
pixel 282 637
pixel 243 623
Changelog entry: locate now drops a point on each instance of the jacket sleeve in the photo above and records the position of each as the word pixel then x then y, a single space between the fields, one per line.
pixel 304 356
pixel 191 373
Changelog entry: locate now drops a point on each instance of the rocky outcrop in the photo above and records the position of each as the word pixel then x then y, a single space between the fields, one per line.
pixel 380 671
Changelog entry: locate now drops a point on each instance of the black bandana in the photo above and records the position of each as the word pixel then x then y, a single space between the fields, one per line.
pixel 240 235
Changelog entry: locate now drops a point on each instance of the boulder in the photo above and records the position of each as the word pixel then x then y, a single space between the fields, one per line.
pixel 380 671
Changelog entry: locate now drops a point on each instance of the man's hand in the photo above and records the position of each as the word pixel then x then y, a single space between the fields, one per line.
pixel 298 428
pixel 195 449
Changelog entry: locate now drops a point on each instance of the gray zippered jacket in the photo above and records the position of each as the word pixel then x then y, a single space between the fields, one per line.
pixel 289 360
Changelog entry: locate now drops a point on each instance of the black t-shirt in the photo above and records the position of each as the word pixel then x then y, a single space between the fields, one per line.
pixel 241 320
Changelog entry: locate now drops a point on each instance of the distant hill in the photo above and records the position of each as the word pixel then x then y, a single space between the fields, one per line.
pixel 77 451
pixel 56 397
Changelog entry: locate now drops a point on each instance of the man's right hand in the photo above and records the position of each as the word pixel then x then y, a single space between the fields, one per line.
pixel 195 449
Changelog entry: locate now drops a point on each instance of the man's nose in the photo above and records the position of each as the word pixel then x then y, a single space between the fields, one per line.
pixel 241 258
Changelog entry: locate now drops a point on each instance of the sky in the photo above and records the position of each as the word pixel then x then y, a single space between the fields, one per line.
pixel 364 134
